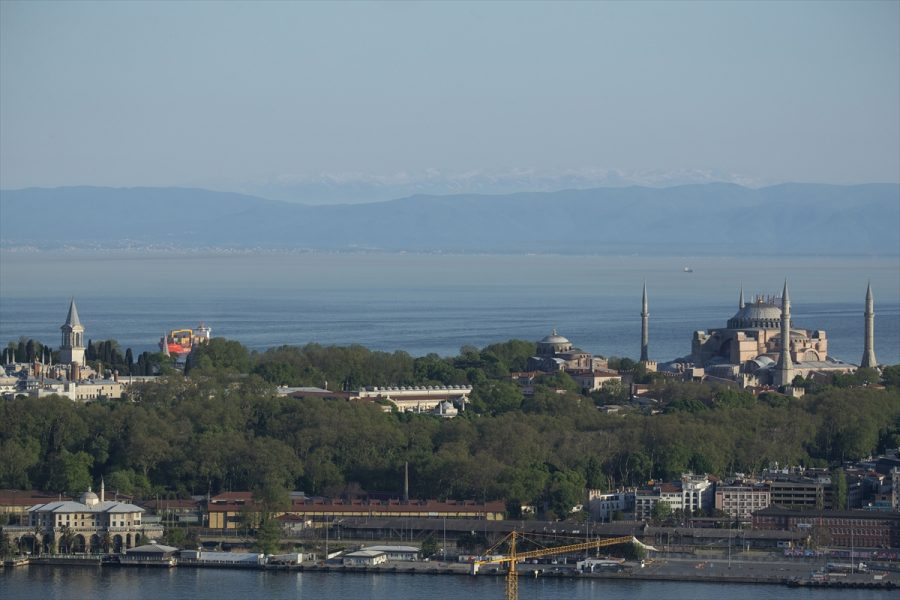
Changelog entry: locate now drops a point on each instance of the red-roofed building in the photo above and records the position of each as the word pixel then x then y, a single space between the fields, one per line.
pixel 228 515
pixel 16 503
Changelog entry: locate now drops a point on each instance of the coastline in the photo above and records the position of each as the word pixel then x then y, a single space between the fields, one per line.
pixel 717 571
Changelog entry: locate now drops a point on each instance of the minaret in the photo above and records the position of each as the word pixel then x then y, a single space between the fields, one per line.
pixel 741 301
pixel 72 348
pixel 784 371
pixel 645 326
pixel 868 357
pixel 102 490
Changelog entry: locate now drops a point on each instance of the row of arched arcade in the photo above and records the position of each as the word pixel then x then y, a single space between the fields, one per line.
pixel 74 543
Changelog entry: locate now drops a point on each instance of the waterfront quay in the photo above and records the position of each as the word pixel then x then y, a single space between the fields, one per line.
pixel 761 569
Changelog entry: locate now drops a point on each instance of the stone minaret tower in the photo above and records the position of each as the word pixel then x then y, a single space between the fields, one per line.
pixel 868 357
pixel 71 350
pixel 784 371
pixel 741 301
pixel 645 326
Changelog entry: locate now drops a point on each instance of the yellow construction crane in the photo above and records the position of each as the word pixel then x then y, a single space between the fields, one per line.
pixel 513 558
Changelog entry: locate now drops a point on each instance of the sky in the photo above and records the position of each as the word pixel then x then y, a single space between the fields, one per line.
pixel 243 95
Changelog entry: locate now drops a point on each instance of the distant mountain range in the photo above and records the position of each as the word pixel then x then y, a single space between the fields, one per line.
pixel 352 188
pixel 704 219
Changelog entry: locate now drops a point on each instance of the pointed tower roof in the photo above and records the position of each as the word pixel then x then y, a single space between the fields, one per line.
pixel 741 301
pixel 868 358
pixel 785 297
pixel 644 304
pixel 72 319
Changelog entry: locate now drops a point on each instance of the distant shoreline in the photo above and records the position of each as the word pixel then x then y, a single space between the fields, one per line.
pixel 157 251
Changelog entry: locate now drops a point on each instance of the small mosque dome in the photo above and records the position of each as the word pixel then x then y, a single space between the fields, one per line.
pixel 89 498
pixel 555 338
pixel 553 344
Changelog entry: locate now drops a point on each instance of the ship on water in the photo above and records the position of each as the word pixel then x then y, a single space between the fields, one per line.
pixel 180 342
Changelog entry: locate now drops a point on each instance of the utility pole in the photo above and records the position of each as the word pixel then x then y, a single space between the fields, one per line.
pixel 729 547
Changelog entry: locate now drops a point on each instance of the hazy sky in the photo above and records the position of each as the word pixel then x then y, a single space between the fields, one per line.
pixel 174 93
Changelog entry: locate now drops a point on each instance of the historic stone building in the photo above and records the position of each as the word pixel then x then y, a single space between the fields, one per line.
pixel 556 353
pixel 92 524
pixel 750 349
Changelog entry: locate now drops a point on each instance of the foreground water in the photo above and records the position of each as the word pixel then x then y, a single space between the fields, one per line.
pixel 64 583
pixel 435 303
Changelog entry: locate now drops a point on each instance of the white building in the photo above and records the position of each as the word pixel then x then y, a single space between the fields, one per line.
pixel 365 558
pixel 602 505
pixel 81 391
pixel 692 493
pixel 417 398
pixel 697 493
pixel 397 552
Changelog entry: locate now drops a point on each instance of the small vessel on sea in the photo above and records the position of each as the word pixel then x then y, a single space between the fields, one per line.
pixel 180 342
pixel 688 270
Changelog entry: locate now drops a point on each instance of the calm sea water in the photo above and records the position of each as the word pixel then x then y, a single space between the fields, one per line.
pixel 212 584
pixel 435 303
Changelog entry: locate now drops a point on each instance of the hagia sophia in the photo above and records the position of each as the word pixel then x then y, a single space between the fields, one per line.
pixel 748 351
pixel 750 348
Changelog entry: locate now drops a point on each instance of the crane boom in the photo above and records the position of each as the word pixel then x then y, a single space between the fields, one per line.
pixel 513 558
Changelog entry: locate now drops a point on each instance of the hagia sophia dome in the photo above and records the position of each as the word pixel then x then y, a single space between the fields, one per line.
pixel 760 313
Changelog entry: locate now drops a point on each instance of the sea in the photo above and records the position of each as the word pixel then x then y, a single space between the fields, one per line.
pixel 92 583
pixel 436 303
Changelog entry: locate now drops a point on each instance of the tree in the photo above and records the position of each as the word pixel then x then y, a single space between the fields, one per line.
pixel 6 548
pixel 175 537
pixel 106 541
pixel 497 396
pixel 661 513
pixel 560 381
pixel 839 481
pixel 66 539
pixel 16 460
pixel 38 532
pixel 268 535
pixel 221 355
pixel 890 376
pixel 566 491
pixel 430 547
pixel 70 472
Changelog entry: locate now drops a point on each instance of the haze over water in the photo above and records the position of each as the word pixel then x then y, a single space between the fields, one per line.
pixel 435 303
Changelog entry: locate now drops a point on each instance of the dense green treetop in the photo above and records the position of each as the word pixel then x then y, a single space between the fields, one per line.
pixel 223 427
